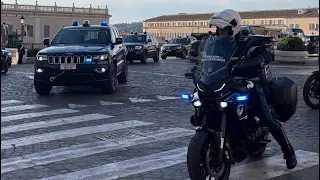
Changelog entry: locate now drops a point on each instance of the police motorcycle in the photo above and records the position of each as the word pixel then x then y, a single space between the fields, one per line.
pixel 6 59
pixel 311 90
pixel 227 128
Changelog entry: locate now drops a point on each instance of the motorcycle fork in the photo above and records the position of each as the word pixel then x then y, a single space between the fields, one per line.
pixel 222 135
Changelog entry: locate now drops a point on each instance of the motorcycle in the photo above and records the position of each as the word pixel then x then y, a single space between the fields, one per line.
pixel 311 90
pixel 227 126
pixel 6 59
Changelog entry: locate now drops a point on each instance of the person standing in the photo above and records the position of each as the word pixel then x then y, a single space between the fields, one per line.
pixel 21 52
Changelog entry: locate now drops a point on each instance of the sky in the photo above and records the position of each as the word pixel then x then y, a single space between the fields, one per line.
pixel 127 11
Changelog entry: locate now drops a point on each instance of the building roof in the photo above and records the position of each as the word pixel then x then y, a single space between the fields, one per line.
pixel 260 14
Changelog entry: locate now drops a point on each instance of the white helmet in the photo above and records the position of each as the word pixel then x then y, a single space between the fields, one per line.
pixel 226 18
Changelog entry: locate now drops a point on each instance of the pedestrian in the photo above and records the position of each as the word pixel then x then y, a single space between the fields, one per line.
pixel 21 52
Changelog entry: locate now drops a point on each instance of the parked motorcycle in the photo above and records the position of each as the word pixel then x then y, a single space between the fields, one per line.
pixel 228 128
pixel 6 59
pixel 311 90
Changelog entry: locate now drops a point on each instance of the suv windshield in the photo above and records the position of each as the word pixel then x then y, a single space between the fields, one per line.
pixel 178 41
pixel 134 39
pixel 88 36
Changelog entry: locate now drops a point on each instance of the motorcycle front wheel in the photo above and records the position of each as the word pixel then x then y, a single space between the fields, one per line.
pixel 201 165
pixel 311 90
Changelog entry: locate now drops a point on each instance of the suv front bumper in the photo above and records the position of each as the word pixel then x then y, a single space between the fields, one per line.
pixel 84 74
pixel 174 52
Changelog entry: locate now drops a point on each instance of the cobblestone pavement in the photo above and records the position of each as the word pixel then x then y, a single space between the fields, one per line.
pixel 141 132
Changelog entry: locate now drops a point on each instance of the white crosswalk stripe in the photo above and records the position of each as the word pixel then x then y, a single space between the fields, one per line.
pixel 22 107
pixel 110 125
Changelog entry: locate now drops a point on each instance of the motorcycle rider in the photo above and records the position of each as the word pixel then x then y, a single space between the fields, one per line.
pixel 228 22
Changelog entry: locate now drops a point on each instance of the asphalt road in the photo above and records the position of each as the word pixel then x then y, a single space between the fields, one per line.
pixel 141 132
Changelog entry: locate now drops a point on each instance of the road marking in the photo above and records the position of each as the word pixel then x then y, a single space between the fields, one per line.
pixel 128 167
pixel 73 106
pixel 30 77
pixel 82 150
pixel 135 100
pixel 51 123
pixel 167 97
pixel 105 103
pixel 22 107
pixel 273 166
pixel 37 114
pixel 159 74
pixel 6 102
pixel 70 133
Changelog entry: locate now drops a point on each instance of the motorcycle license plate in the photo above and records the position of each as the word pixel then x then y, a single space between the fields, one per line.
pixel 68 66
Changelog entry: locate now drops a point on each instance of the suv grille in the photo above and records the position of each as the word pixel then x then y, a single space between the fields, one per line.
pixel 130 48
pixel 67 59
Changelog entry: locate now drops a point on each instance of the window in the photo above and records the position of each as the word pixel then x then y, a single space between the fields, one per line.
pixel 9 29
pixel 291 26
pixel 46 29
pixel 270 22
pixel 314 27
pixel 280 21
pixel 84 36
pixel 190 23
pixel 262 22
pixel 296 26
pixel 28 30
pixel 253 21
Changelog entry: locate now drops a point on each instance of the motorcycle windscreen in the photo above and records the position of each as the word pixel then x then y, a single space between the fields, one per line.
pixel 216 54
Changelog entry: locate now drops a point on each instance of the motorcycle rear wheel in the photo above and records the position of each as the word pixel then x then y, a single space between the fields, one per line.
pixel 197 159
pixel 307 88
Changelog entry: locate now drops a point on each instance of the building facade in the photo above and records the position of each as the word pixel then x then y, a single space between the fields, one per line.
pixel 42 22
pixel 274 21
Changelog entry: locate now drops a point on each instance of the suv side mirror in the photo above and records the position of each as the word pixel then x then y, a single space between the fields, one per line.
pixel 46 42
pixel 119 41
pixel 149 40
pixel 245 32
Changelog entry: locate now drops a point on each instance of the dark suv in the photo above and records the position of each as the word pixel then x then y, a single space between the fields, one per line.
pixel 141 46
pixel 81 55
pixel 177 47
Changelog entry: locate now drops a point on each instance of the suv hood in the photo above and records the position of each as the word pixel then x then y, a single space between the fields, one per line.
pixel 172 45
pixel 76 49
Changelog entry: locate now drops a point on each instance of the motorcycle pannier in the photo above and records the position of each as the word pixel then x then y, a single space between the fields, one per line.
pixel 283 97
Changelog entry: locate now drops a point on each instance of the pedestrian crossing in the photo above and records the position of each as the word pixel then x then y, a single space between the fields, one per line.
pixel 22 126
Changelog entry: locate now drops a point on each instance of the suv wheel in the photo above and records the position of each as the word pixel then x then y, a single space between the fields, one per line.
pixel 110 86
pixel 144 57
pixel 163 57
pixel 184 54
pixel 42 88
pixel 156 58
pixel 123 76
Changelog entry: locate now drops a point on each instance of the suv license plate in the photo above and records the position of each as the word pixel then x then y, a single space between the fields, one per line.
pixel 68 66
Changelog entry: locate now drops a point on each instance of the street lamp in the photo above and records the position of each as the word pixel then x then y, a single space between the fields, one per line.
pixel 22 27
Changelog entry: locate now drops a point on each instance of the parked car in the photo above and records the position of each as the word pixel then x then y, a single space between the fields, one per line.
pixel 177 47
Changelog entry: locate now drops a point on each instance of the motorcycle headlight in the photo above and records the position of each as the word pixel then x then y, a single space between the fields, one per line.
pixel 100 57
pixel 138 47
pixel 9 54
pixel 162 48
pixel 42 57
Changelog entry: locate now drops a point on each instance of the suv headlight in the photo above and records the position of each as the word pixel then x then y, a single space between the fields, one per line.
pixel 138 47
pixel 179 47
pixel 42 57
pixel 100 57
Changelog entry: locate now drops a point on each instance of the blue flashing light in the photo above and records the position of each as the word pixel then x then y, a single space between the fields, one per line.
pixel 185 96
pixel 241 98
pixel 104 23
pixel 75 23
pixel 88 59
